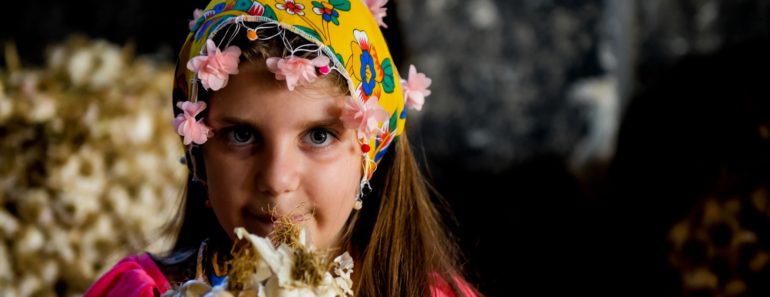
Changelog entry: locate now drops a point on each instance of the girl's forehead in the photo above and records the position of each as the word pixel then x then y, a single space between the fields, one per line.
pixel 255 94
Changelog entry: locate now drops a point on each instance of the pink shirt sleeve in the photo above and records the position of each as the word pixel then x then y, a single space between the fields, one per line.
pixel 441 287
pixel 134 276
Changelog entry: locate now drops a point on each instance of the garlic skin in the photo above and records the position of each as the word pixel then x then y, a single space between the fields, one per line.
pixel 270 272
pixel 89 167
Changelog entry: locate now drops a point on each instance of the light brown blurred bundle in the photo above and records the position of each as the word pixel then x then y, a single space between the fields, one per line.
pixel 281 265
pixel 89 165
pixel 720 248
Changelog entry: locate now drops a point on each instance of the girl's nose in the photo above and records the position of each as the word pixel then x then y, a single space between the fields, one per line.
pixel 278 170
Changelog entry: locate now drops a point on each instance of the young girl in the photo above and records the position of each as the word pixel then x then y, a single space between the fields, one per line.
pixel 294 108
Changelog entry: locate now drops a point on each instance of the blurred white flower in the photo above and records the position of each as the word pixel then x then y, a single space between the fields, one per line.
pixel 6 108
pixel 30 241
pixel 343 267
pixel 79 65
pixel 28 285
pixel 43 109
pixel 110 64
pixel 141 128
pixel 49 272
pixel 218 291
pixel 8 224
pixel 6 273
pixel 274 275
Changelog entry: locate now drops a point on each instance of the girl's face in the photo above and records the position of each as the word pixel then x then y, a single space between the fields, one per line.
pixel 281 151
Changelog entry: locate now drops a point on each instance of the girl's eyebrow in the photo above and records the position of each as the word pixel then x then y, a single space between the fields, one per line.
pixel 235 121
pixel 328 122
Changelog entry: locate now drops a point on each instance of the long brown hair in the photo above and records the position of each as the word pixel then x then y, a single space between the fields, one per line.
pixel 398 241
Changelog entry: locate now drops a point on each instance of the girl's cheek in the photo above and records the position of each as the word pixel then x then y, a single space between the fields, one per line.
pixel 223 150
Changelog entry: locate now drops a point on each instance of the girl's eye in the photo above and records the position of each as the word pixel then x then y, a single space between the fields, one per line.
pixel 319 137
pixel 240 136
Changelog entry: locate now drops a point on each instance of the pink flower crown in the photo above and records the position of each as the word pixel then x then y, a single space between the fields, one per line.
pixel 214 67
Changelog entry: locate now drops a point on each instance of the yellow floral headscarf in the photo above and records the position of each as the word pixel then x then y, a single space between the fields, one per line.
pixel 346 31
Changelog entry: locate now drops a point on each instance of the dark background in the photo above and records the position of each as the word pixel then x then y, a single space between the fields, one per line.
pixel 554 191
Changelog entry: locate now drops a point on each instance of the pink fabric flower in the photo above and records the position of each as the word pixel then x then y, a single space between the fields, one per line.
pixel 377 7
pixel 185 124
pixel 295 70
pixel 363 117
pixel 415 88
pixel 215 67
pixel 197 13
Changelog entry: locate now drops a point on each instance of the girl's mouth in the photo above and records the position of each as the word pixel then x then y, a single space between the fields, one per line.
pixel 264 218
pixel 259 223
pixel 263 223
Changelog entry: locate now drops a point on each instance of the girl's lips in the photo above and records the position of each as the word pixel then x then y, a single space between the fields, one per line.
pixel 263 223
pixel 258 223
pixel 270 219
pixel 298 217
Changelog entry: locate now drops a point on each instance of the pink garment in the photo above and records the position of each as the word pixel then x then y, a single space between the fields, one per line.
pixel 138 276
pixel 441 287
pixel 134 276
